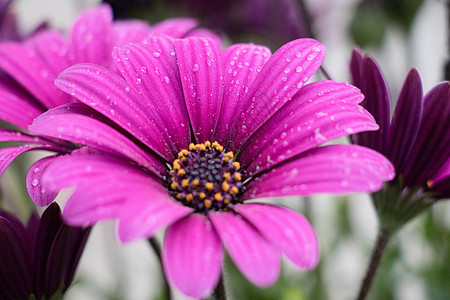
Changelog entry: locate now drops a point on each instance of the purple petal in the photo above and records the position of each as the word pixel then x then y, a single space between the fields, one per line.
pixel 37 192
pixel 149 210
pixel 356 67
pixel 103 184
pixel 26 67
pixel 204 33
pixel 193 256
pixel 406 121
pixel 328 169
pixel 7 155
pixel 258 260
pixel 11 135
pixel 110 95
pixel 124 32
pixel 152 71
pixel 242 63
pixel 441 181
pixel 287 230
pixel 432 146
pixel 200 65
pixel 53 50
pixel 16 106
pixel 281 77
pixel 175 27
pixel 376 102
pixel 15 270
pixel 319 112
pixel 76 123
pixel 90 36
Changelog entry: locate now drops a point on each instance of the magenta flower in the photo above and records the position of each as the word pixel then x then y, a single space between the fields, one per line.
pixel 416 140
pixel 28 89
pixel 156 159
pixel 38 260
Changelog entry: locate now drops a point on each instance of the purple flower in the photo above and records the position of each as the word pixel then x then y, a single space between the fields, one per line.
pixel 190 132
pixel 28 89
pixel 40 258
pixel 416 140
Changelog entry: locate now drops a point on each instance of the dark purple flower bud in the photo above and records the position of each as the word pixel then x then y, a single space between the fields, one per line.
pixel 40 258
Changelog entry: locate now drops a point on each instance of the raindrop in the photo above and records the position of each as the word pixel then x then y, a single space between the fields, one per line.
pixel 195 68
pixel 166 79
pixel 287 70
pixel 156 54
pixel 298 54
pixel 144 70
pixel 299 69
pixel 35 182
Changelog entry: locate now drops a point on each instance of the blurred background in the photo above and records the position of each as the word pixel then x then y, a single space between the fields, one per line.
pixel 399 34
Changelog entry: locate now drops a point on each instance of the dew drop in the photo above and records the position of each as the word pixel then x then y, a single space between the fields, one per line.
pixel 299 69
pixel 287 70
pixel 195 68
pixel 144 70
pixel 166 79
pixel 35 182
pixel 156 54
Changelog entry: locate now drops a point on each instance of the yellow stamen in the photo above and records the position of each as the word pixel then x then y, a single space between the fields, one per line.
pixel 225 186
pixel 209 186
pixel 192 147
pixel 236 165
pixel 189 197
pixel 237 177
pixel 185 182
pixel 202 195
pixel 178 196
pixel 226 159
pixel 202 147
pixel 176 164
pixel 226 176
pixel 430 183
pixel 229 154
pixel 218 197
pixel 226 201
pixel 195 182
pixel 173 185
pixel 207 203
pixel 233 190
pixel 181 172
pixel 208 144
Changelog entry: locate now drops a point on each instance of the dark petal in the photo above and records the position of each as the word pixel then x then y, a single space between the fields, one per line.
pixel 15 273
pixel 376 102
pixel 432 147
pixel 356 67
pixel 406 121
pixel 63 258
pixel 48 228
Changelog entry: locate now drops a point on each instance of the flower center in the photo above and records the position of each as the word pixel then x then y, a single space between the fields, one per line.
pixel 206 178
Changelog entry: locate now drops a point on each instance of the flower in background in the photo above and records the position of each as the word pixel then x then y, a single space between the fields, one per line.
pixel 27 89
pixel 190 133
pixel 38 260
pixel 273 22
pixel 416 140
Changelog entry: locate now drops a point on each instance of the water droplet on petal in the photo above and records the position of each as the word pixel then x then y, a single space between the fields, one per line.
pixel 195 68
pixel 35 182
pixel 156 54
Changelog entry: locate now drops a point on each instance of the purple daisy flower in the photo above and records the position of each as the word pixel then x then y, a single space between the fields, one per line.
pixel 416 140
pixel 38 260
pixel 190 133
pixel 27 89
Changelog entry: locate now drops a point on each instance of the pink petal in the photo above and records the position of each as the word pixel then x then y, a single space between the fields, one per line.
pixel 242 63
pixel 200 65
pixel 16 106
pixel 76 123
pixel 39 194
pixel 328 169
pixel 193 256
pixel 8 155
pixel 258 260
pixel 124 32
pixel 287 230
pixel 35 75
pixel 90 36
pixel 149 210
pixel 152 71
pixel 10 135
pixel 281 77
pixel 319 112
pixel 175 27
pixel 81 168
pixel 53 49
pixel 110 95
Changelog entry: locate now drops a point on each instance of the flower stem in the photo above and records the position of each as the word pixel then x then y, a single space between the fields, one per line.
pixel 219 292
pixel 378 251
pixel 157 248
